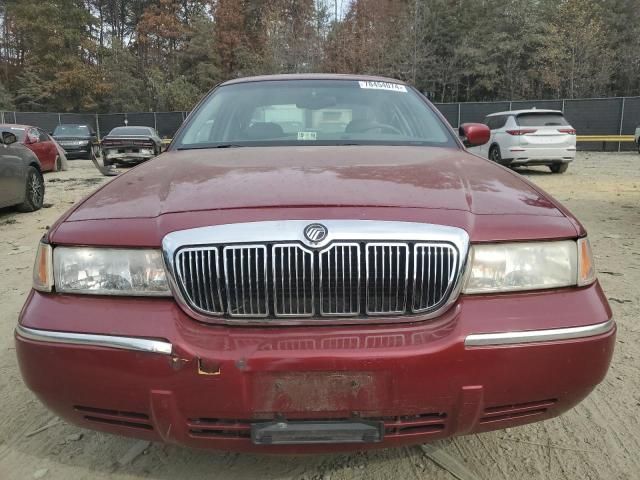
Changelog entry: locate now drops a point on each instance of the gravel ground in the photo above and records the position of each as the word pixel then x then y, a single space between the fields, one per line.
pixel 599 439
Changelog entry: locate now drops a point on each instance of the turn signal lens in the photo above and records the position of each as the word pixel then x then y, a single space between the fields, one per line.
pixel 586 267
pixel 43 268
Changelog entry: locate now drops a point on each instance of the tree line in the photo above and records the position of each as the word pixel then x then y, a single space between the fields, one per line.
pixel 142 55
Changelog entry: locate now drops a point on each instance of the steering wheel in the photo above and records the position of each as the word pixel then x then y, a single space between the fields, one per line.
pixel 382 127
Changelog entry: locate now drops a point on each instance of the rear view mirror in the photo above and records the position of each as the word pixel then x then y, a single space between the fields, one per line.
pixel 474 134
pixel 8 138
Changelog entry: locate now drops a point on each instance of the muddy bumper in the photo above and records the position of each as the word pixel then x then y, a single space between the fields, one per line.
pixel 143 368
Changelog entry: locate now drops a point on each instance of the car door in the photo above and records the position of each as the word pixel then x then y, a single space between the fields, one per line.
pixel 32 141
pixel 12 173
pixel 49 148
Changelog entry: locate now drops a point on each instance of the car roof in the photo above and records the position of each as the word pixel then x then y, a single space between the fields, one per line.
pixel 15 125
pixel 312 76
pixel 530 110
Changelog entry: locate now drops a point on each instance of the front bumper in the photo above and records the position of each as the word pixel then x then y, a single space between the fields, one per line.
pixel 204 385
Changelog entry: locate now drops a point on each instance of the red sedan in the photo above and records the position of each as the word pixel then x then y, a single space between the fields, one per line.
pixel 39 142
pixel 316 264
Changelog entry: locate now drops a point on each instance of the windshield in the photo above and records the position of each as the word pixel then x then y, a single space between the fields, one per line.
pixel 71 131
pixel 313 112
pixel 131 131
pixel 541 120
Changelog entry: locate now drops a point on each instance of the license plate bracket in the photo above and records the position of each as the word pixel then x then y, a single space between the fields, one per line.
pixel 316 432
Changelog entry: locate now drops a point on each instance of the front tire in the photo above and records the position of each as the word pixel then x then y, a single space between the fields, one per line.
pixel 494 154
pixel 559 167
pixel 34 195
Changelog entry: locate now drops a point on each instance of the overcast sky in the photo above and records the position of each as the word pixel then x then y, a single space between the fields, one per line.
pixel 340 5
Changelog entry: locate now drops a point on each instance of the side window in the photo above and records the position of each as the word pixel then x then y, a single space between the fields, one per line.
pixel 42 135
pixel 33 135
pixel 492 122
pixel 499 122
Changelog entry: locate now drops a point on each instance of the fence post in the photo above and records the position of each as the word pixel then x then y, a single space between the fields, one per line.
pixel 98 126
pixel 3 117
pixel 155 121
pixel 621 121
pixel 459 118
pixel 59 119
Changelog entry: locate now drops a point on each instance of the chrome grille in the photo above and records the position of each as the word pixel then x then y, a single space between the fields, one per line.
pixel 344 279
pixel 340 280
pixel 245 271
pixel 387 277
pixel 292 278
pixel 434 269
pixel 199 272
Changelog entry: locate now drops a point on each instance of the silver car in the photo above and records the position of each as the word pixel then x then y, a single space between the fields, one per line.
pixel 21 182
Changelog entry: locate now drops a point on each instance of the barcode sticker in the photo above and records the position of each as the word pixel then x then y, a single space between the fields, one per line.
pixel 394 87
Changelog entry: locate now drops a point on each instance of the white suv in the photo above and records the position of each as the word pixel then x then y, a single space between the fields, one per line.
pixel 530 137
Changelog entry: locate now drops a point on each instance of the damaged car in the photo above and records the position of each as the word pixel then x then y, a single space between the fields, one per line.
pixel 316 264
pixel 126 146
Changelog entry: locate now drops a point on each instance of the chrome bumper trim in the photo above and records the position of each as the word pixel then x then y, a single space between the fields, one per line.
pixel 90 340
pixel 532 336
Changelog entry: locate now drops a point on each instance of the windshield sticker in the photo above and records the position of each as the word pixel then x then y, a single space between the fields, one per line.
pixel 307 135
pixel 395 87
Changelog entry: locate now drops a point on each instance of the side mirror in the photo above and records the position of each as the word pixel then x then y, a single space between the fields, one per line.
pixel 474 134
pixel 8 138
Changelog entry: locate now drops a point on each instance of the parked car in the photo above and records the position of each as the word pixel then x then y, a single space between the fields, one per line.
pixel 21 182
pixel 530 137
pixel 269 289
pixel 78 141
pixel 39 142
pixel 130 145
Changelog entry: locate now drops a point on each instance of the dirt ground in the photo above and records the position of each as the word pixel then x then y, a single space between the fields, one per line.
pixel 599 439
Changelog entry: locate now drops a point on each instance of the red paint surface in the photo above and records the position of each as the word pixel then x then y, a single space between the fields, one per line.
pixel 379 371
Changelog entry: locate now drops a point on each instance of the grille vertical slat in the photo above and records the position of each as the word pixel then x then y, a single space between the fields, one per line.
pixel 246 286
pixel 290 264
pixel 434 276
pixel 339 292
pixel 280 280
pixel 387 277
pixel 199 273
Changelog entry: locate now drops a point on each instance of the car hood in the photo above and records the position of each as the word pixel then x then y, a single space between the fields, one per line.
pixel 347 176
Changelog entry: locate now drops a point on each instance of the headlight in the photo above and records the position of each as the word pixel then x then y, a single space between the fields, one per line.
pixel 508 267
pixel 101 271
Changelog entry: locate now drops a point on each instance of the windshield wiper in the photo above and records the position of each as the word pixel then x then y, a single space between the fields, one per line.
pixel 211 145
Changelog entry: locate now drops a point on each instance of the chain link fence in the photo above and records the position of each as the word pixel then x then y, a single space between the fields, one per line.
pixel 166 123
pixel 593 116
